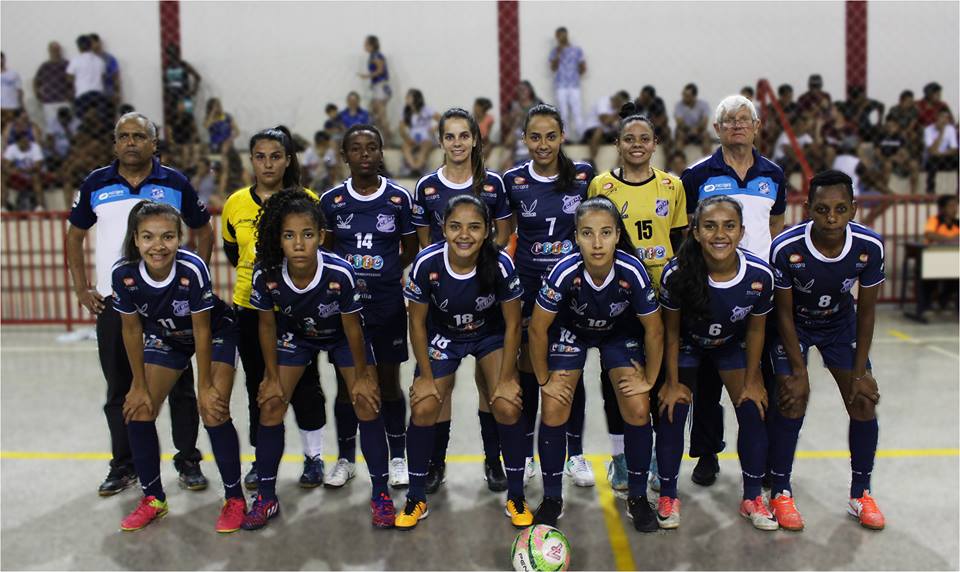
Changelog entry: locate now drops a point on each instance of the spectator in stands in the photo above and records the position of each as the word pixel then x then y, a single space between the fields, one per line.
pixel 677 162
pixel 516 149
pixel 940 145
pixel 22 171
pixel 233 176
pixel 220 126
pixel 837 132
pixel 893 151
pixel 864 113
pixel 785 98
pixel 417 132
pixel 815 99
pixel 334 125
pixel 11 92
pixel 180 133
pixel 930 106
pixel 207 182
pixel 353 114
pixel 320 165
pixel 180 82
pixel 604 122
pixel 748 92
pixel 906 114
pixel 112 87
pixel 59 137
pixel 86 71
pixel 380 91
pixel 568 65
pixel 485 121
pixel 771 128
pixel 650 104
pixel 692 116
pixel 51 85
pixel 859 163
pixel 20 124
pixel 784 153
pixel 942 228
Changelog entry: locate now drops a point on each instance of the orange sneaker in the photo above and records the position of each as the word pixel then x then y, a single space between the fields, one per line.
pixel 785 509
pixel 866 511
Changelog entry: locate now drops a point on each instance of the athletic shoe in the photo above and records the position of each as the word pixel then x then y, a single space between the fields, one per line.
pixel 250 482
pixel 413 512
pixel 312 476
pixel 653 480
pixel 231 515
pixel 642 515
pixel 758 514
pixel 785 510
pixel 384 513
pixel 705 473
pixel 117 480
pixel 578 468
pixel 149 509
pixel 342 472
pixel 436 476
pixel 519 512
pixel 399 477
pixel 191 477
pixel 866 511
pixel 260 512
pixel 493 474
pixel 529 470
pixel 617 473
pixel 668 513
pixel 549 511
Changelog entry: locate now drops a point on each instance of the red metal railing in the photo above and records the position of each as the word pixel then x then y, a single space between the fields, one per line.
pixel 768 100
pixel 36 286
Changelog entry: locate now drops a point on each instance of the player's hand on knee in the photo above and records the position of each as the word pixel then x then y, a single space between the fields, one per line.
pixel 270 388
pixel 422 388
pixel 137 400
pixel 636 382
pixel 756 393
pixel 559 387
pixel 91 300
pixel 865 386
pixel 508 390
pixel 670 395
pixel 365 392
pixel 213 405
pixel 793 393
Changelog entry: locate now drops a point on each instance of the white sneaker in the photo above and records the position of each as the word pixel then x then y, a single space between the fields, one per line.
pixel 578 468
pixel 529 470
pixel 758 514
pixel 398 473
pixel 342 472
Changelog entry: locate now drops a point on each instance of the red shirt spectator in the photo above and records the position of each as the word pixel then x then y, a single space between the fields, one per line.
pixel 931 104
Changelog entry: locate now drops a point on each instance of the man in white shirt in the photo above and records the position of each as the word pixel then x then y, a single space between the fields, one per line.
pixel 940 148
pixel 602 125
pixel 87 70
pixel 11 92
pixel 22 169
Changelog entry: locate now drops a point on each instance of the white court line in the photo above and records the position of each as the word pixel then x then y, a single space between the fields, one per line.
pixel 52 348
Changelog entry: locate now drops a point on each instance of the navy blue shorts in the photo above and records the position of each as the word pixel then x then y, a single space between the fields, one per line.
pixel 731 355
pixel 567 351
pixel 837 347
pixel 387 333
pixel 294 351
pixel 169 352
pixel 446 354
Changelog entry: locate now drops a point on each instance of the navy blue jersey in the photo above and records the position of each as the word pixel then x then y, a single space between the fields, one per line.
pixel 311 313
pixel 166 306
pixel 457 309
pixel 434 191
pixel 545 216
pixel 748 293
pixel 368 231
pixel 590 311
pixel 821 286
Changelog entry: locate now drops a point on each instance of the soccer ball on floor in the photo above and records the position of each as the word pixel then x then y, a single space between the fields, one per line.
pixel 540 548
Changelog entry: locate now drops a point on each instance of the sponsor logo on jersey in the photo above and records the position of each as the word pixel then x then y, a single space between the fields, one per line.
pixel 651 252
pixel 617 308
pixel 361 285
pixel 184 281
pixel 520 181
pixel 528 211
pixel 413 288
pixel 429 191
pixel 271 285
pixel 662 207
pixel 571 202
pixel 623 210
pixel 795 258
pixel 333 286
pixel 550 294
pixel 631 344
pixel 607 186
pixel 576 282
pixel 651 295
pixel 338 199
pixel 386 222
pixel 434 277
pixel 488 188
pixel 578 310
pixel 581 176
pixel 156 194
pixel 108 195
pixel 864 257
pixel 181 307
pixel 739 313
pixel 328 310
pixel 484 302
pixel 344 221
pixel 396 200
pixel 129 281
pixel 514 284
pixel 442 306
pixel 801 287
pixel 624 284
pixel 666 182
pixel 716 187
pixel 438 217
pixel 758 286
pixel 207 295
pixel 365 262
pixel 563 349
pixel 436 355
pixel 764 188
pixel 552 248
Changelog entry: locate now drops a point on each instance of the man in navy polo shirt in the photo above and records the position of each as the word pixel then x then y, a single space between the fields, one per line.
pixel 736 169
pixel 106 197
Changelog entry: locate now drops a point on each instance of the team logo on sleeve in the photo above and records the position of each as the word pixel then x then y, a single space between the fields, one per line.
pixel 207 295
pixel 417 209
pixel 328 310
pixel 485 302
pixel 571 202
pixel 739 313
pixel 181 307
pixel 386 223
pixel 514 284
pixel 551 294
pixel 662 207
pixel 617 308
pixel 528 211
pixel 412 287
pixel 343 222
pixel 651 296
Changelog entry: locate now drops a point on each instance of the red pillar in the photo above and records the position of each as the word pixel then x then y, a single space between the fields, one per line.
pixel 508 41
pixel 169 36
pixel 856 43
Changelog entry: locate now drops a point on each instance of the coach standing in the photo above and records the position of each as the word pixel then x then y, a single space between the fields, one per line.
pixel 106 197
pixel 739 171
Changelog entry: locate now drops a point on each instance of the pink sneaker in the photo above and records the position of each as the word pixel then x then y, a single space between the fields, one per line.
pixel 231 515
pixel 758 514
pixel 149 509
pixel 384 513
pixel 865 510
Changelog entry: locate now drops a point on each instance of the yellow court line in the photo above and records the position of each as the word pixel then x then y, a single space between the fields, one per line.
pixel 619 544
pixel 900 335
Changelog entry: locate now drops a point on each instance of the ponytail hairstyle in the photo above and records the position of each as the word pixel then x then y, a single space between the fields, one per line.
pixel 410 110
pixel 270 224
pixel 603 203
pixel 476 153
pixel 280 134
pixel 488 264
pixel 565 167
pixel 690 284
pixel 357 129
pixel 140 212
pixel 629 112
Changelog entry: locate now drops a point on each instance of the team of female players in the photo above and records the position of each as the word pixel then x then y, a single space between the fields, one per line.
pixel 328 277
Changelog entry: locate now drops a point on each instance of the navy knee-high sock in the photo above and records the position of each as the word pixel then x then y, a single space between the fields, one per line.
pixel 419 445
pixel 670 449
pixel 441 439
pixel 531 403
pixel 489 434
pixel 513 442
pixel 784 434
pixel 373 443
pixel 395 423
pixel 752 448
pixel 145 446
pixel 346 420
pixel 637 444
pixel 575 423
pixel 553 447
pixel 269 451
pixel 226 450
pixel 863 448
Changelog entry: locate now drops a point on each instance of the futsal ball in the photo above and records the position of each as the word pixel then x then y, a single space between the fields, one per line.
pixel 540 548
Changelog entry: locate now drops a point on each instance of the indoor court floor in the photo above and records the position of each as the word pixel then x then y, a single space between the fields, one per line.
pixel 54 451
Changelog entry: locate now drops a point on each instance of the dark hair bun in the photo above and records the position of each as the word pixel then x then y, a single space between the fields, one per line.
pixel 627 109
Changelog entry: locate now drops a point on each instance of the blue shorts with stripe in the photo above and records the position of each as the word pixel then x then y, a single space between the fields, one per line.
pixel 837 346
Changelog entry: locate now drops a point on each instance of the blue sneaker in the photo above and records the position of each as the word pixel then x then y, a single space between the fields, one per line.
pixel 260 512
pixel 617 473
pixel 312 476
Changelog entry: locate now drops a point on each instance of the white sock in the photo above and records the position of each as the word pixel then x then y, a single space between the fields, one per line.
pixel 616 444
pixel 313 442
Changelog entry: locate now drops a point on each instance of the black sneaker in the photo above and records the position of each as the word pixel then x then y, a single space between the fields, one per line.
pixel 549 511
pixel 312 476
pixel 117 480
pixel 250 481
pixel 642 515
pixel 436 476
pixel 191 477
pixel 705 473
pixel 493 474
